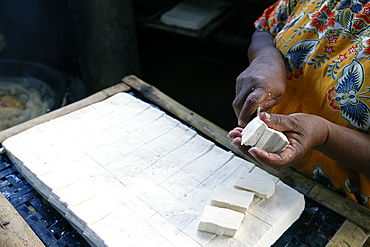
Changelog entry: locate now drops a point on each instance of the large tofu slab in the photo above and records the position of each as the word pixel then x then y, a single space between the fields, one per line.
pixel 228 197
pixel 276 212
pixel 119 187
pixel 220 221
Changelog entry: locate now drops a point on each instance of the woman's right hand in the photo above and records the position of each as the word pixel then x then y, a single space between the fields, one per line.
pixel 263 83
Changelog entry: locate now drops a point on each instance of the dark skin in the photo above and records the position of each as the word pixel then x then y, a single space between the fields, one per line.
pixel 263 83
pixel 304 131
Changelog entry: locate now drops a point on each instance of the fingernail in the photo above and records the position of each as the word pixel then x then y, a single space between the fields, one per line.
pixel 267 115
pixel 250 151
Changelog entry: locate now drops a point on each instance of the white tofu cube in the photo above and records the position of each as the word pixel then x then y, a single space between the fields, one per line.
pixel 253 132
pixel 273 141
pixel 260 183
pixel 234 199
pixel 220 221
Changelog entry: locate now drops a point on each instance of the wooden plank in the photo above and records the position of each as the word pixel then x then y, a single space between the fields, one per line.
pixel 350 234
pixel 16 233
pixel 310 188
pixel 2 41
pixel 101 95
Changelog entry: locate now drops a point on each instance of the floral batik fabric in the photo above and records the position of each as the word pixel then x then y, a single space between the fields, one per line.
pixel 326 48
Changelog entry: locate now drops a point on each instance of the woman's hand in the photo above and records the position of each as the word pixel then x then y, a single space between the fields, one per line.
pixel 303 131
pixel 263 83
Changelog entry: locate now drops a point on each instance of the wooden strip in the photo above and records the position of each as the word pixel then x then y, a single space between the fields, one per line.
pixel 16 233
pixel 99 96
pixel 308 187
pixel 2 41
pixel 349 235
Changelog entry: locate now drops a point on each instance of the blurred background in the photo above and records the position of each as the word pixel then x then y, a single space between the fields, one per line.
pixel 94 44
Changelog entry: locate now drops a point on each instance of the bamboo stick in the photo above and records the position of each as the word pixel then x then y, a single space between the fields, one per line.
pixel 14 231
pixel 349 234
pixel 2 42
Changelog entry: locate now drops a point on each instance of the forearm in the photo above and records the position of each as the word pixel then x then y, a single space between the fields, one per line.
pixel 347 146
pixel 263 83
pixel 262 47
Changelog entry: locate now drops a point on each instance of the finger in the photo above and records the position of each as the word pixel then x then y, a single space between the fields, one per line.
pixel 271 102
pixel 265 158
pixel 237 142
pixel 240 98
pixel 243 149
pixel 277 121
pixel 276 161
pixel 252 102
pixel 237 132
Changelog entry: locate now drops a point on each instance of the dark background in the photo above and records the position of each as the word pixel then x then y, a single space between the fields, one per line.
pixel 199 71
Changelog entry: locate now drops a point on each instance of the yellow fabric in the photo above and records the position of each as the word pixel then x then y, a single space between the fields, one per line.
pixel 325 45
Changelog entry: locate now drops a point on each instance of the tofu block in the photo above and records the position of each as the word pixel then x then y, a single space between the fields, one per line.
pixel 253 132
pixel 281 211
pixel 258 134
pixel 231 198
pixel 193 14
pixel 220 221
pixel 260 183
pixel 272 141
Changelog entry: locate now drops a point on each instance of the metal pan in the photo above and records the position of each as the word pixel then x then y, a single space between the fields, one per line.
pixel 52 77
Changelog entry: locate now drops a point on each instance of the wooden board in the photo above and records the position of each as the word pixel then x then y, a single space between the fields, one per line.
pixel 2 41
pixel 349 234
pixel 15 232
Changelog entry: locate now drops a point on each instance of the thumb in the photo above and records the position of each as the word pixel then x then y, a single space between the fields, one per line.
pixel 276 121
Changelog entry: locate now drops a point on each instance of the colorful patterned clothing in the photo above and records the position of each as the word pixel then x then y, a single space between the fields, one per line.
pixel 326 48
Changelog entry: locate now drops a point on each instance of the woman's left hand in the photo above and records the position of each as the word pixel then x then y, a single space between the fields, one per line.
pixel 303 131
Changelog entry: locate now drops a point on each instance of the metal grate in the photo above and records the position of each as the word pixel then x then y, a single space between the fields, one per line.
pixel 45 221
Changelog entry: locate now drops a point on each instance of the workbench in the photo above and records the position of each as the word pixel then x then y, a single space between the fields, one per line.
pixel 353 220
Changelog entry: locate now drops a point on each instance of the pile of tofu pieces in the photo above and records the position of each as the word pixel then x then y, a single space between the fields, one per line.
pixel 230 204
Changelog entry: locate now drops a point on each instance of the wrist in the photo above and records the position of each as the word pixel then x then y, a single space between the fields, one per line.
pixel 267 54
pixel 270 62
pixel 322 128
